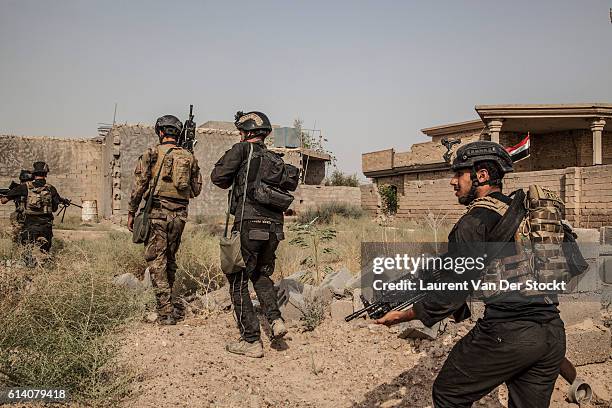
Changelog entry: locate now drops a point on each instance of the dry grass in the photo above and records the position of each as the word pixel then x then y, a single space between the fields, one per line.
pixel 60 319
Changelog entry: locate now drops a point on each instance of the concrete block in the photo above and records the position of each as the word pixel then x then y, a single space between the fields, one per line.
pixel 574 312
pixel 291 310
pixel 321 293
pixel 587 343
pixel 590 235
pixel 340 309
pixel 337 281
pixel 604 266
pixel 606 235
pixel 417 330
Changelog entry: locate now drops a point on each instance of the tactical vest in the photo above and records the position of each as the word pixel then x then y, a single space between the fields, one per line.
pixel 538 240
pixel 39 200
pixel 175 175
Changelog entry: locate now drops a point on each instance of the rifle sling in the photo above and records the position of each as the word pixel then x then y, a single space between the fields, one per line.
pixel 147 208
pixel 509 223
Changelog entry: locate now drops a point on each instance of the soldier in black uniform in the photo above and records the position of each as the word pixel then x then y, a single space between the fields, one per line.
pixel 41 201
pixel 18 216
pixel 262 229
pixel 520 343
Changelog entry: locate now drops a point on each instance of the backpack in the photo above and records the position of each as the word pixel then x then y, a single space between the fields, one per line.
pixel 175 175
pixel 39 200
pixel 545 244
pixel 273 181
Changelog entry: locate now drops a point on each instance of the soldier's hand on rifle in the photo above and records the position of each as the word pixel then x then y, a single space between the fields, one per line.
pixel 395 317
pixel 130 222
pixel 4 200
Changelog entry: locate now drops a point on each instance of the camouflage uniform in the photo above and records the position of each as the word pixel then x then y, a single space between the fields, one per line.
pixel 168 217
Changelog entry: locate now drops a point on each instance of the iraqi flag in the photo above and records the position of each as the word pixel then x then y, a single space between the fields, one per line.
pixel 519 151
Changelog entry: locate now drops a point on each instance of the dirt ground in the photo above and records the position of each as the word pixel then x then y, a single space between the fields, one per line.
pixel 337 365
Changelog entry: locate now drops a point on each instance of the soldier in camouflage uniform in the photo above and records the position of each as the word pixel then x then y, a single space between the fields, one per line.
pixel 179 180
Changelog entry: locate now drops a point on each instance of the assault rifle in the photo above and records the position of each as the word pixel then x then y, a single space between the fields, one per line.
pixel 376 310
pixel 187 139
pixel 4 191
pixel 64 206
pixel 24 176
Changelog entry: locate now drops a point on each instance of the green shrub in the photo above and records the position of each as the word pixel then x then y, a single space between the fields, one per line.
pixel 314 312
pixel 338 178
pixel 326 212
pixel 59 321
pixel 388 196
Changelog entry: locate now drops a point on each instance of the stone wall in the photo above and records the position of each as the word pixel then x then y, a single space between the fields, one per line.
pixel 130 141
pixel 370 198
pixel 76 167
pixel 586 191
pixel 311 196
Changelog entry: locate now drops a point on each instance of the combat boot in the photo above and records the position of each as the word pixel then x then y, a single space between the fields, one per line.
pixel 245 348
pixel 166 321
pixel 278 329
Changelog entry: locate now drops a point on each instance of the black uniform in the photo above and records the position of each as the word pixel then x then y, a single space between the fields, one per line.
pixel 520 343
pixel 262 229
pixel 37 229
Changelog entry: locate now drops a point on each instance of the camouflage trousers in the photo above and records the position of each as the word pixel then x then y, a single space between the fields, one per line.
pixel 160 253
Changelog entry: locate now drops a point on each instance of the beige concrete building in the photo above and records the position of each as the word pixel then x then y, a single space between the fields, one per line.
pixel 101 168
pixel 571 153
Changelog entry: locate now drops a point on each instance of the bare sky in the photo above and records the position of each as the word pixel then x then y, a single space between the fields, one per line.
pixel 369 73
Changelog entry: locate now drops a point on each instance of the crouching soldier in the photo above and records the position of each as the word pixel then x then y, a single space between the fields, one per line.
pixel 171 174
pixel 259 218
pixel 39 200
pixel 520 341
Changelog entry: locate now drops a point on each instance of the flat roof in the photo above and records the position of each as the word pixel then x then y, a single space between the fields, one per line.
pixel 441 130
pixel 576 110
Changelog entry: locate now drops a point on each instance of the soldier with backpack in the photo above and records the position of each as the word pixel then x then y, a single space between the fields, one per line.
pixel 260 183
pixel 167 176
pixel 39 200
pixel 520 341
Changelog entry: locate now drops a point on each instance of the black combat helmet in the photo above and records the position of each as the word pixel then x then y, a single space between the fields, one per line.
pixel 252 121
pixel 40 168
pixel 24 176
pixel 482 150
pixel 171 125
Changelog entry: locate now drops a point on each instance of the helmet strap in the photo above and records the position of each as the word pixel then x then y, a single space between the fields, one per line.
pixel 471 195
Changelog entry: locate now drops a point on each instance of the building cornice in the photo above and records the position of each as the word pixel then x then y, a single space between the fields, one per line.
pixel 580 110
pixel 452 128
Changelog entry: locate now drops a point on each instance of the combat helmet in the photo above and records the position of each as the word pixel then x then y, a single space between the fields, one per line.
pixel 483 150
pixel 170 124
pixel 468 156
pixel 25 175
pixel 40 168
pixel 252 121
